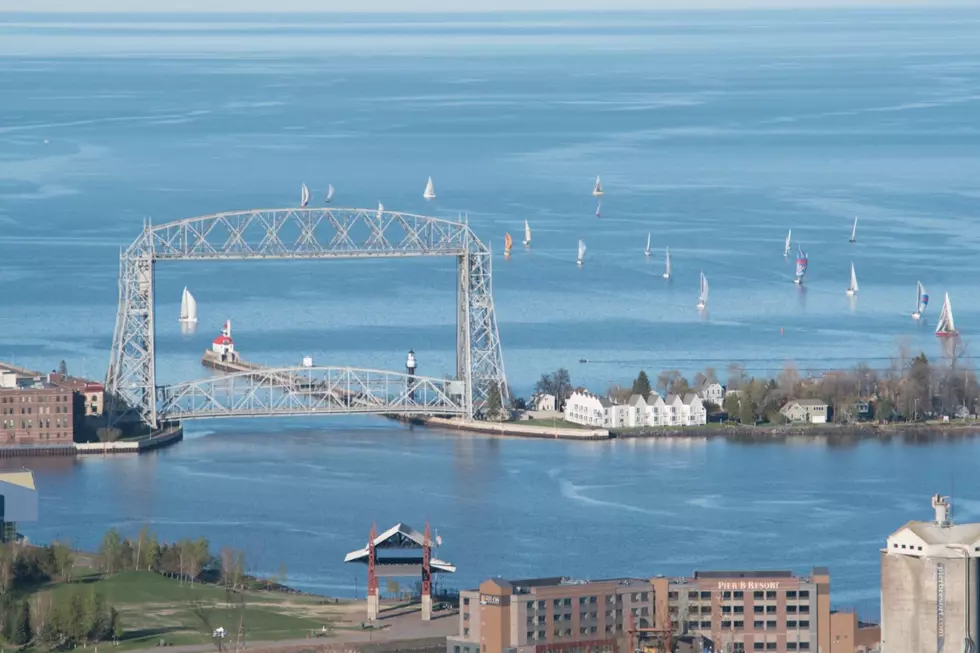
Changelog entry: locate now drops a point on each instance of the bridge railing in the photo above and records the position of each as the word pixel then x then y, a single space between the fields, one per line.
pixel 311 391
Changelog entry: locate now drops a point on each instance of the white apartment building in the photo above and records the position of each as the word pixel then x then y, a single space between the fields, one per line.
pixel 590 410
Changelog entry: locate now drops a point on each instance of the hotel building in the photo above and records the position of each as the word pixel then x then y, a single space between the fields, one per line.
pixel 733 611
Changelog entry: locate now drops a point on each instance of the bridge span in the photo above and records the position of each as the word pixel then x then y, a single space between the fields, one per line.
pixel 303 233
pixel 311 391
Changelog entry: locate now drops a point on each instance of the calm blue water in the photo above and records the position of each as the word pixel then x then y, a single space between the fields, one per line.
pixel 715 132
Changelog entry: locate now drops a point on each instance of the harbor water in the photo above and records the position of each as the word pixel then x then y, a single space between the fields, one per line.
pixel 715 132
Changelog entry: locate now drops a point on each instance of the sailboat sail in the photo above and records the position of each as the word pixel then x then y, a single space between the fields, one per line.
pixel 430 190
pixel 508 243
pixel 647 250
pixel 854 230
pixel 304 197
pixel 381 210
pixel 597 191
pixel 945 327
pixel 667 267
pixel 527 234
pixel 598 208
pixel 801 263
pixel 789 237
pixel 581 252
pixel 188 307
pixel 703 297
pixel 854 280
pixel 329 193
pixel 921 300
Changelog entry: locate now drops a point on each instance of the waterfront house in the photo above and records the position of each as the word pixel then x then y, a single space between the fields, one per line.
pixel 587 409
pixel 711 392
pixel 543 402
pixel 695 412
pixel 813 411
pixel 655 411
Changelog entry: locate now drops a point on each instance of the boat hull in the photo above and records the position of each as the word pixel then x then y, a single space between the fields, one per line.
pixel 947 334
pixel 850 292
pixel 916 315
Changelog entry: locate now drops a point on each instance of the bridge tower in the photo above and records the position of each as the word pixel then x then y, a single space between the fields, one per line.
pixel 308 233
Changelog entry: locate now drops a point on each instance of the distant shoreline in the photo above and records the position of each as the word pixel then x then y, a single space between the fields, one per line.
pixel 916 432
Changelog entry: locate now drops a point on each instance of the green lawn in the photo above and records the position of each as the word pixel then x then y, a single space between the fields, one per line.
pixel 553 423
pixel 153 608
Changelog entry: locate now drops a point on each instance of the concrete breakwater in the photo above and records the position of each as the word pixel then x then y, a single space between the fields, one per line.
pixel 166 436
pixel 911 431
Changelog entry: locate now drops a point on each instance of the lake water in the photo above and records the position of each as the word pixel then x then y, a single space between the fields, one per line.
pixel 716 132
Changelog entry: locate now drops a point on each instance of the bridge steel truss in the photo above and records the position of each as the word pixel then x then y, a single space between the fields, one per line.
pixel 311 391
pixel 308 233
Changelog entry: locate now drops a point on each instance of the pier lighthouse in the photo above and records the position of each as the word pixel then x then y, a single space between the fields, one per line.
pixel 410 365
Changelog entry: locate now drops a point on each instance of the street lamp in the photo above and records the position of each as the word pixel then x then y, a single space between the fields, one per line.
pixel 968 645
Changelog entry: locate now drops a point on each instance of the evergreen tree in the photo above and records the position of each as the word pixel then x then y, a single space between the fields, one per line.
pixel 493 402
pixel 21 631
pixel 641 386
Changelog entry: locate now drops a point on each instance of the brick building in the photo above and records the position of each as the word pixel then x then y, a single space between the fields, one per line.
pixel 41 413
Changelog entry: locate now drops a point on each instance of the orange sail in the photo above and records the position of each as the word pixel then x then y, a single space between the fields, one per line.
pixel 508 242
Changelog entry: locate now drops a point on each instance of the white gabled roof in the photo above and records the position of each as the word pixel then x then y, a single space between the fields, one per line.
pixel 399 536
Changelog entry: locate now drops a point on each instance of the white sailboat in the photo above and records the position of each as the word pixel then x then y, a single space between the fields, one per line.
pixel 527 234
pixel 581 252
pixel 667 269
pixel 597 191
pixel 801 265
pixel 853 288
pixel 304 197
pixel 703 297
pixel 329 193
pixel 789 238
pixel 854 230
pixel 188 307
pixel 921 300
pixel 647 250
pixel 381 210
pixel 430 190
pixel 945 327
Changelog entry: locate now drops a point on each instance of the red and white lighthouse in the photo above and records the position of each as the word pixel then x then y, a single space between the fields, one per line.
pixel 223 345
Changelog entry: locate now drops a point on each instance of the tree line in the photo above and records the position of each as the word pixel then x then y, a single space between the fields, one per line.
pixel 66 620
pixel 187 560
pixel 910 387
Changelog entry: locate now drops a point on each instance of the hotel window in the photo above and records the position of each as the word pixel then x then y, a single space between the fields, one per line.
pixel 770 625
pixel 568 602
pixel 705 609
pixel 757 624
pixel 645 596
pixel 726 624
pixel 758 646
pixel 791 594
pixel 738 595
pixel 739 609
pixel 804 646
pixel 804 609
pixel 726 595
pixel 671 595
pixel 557 603
pixel 530 605
pixel 541 620
pixel 804 594
pixel 692 595
pixel 770 594
pixel 758 609
pixel 466 632
pixel 770 646
pixel 530 635
pixel 726 609
pixel 706 625
pixel 693 609
pixel 466 601
pixel 739 625
pixel 540 634
pixel 705 596
pixel 758 594
pixel 541 605
pixel 739 647
pixel 791 609
pixel 770 609
pixel 790 646
pixel 804 624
